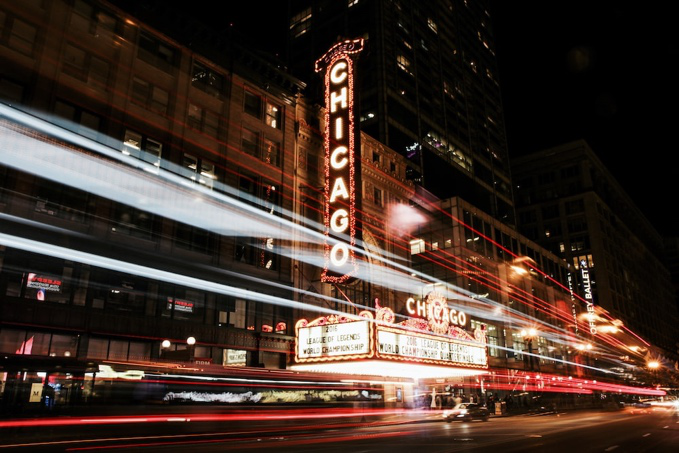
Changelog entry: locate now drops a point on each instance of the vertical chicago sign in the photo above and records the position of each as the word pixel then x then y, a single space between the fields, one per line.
pixel 342 168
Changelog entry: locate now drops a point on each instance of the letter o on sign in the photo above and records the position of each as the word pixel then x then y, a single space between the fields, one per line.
pixel 341 249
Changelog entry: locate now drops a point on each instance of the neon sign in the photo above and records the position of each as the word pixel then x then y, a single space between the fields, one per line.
pixel 589 297
pixel 435 309
pixel 341 166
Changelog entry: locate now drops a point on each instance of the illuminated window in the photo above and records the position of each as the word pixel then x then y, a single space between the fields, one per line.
pixel 403 63
pixel 142 147
pixel 417 246
pixel 273 116
pixel 432 25
pixel 271 152
pixel 199 170
pixel 588 259
pixel 435 245
pixel 301 22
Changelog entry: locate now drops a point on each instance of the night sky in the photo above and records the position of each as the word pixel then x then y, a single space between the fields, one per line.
pixel 601 70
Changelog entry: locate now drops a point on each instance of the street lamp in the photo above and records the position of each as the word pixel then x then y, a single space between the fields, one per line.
pixel 191 341
pixel 528 336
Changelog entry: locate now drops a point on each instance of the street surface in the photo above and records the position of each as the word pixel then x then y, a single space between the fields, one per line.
pixel 581 432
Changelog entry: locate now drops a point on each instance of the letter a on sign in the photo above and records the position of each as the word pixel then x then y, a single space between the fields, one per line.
pixel 341 167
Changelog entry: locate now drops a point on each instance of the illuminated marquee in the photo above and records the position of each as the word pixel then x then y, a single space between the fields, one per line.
pixel 395 344
pixel 345 338
pixel 333 338
pixel 341 166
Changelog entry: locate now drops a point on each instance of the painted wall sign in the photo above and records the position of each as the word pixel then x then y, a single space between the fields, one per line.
pixel 341 166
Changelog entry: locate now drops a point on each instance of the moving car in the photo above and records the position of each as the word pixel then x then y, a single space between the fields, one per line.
pixel 466 412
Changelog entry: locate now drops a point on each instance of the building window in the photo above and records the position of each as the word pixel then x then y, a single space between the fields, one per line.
pixel 11 91
pixel 263 251
pixel 250 142
pixel 77 120
pixel 588 259
pixel 93 20
pixel 193 238
pixel 432 25
pixel 62 201
pixel 273 115
pixel 417 246
pixel 271 152
pixel 253 104
pixel 156 52
pixel 577 224
pixel 142 147
pixel 199 170
pixel 550 212
pixel 17 34
pixel 377 196
pixel 85 67
pixel 300 23
pixel 134 222
pixel 403 63
pixel 149 96
pixel 207 80
pixel 203 120
pixel 575 206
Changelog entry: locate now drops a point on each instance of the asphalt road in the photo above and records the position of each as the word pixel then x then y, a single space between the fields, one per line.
pixel 579 432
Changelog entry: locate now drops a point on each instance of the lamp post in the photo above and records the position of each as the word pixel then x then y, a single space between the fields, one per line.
pixel 528 336
pixel 190 343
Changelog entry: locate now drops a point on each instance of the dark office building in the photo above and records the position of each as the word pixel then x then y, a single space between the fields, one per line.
pixel 428 88
pixel 569 203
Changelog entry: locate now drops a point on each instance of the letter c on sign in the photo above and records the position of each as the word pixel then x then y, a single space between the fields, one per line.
pixel 338 163
pixel 338 73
